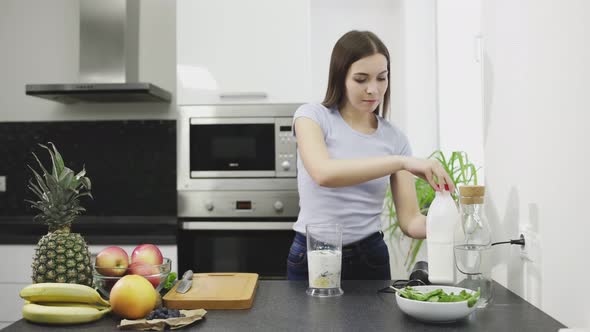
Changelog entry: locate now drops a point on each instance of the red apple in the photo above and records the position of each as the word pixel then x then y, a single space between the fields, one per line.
pixel 150 272
pixel 147 254
pixel 112 261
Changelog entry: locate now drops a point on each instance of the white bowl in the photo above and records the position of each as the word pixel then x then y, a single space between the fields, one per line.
pixel 438 312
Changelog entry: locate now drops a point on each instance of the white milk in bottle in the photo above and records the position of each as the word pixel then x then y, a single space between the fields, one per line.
pixel 441 221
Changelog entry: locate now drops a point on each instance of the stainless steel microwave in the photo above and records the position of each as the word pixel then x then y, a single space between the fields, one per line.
pixel 236 142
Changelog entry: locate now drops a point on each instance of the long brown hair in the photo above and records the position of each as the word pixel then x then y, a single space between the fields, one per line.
pixel 352 46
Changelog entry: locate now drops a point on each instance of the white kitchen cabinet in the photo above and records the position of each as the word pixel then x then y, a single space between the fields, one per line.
pixel 11 303
pixel 460 79
pixel 15 273
pixel 16 265
pixel 243 51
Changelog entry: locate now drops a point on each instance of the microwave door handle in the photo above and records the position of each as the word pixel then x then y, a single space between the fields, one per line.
pixel 237 225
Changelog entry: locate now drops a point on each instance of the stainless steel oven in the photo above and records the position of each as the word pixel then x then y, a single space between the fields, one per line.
pixel 237 189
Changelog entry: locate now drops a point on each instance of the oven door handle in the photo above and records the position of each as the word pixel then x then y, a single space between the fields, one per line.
pixel 236 225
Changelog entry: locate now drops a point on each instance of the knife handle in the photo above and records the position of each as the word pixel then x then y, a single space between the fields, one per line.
pixel 188 275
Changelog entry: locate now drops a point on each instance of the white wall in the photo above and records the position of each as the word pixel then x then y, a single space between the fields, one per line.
pixel 537 76
pixel 330 19
pixel 407 29
pixel 39 43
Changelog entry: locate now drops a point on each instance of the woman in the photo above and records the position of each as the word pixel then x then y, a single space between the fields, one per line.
pixel 348 154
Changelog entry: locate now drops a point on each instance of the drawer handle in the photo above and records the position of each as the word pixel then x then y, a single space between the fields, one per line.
pixel 235 95
pixel 236 225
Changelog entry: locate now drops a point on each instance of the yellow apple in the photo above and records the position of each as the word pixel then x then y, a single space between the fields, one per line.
pixel 133 297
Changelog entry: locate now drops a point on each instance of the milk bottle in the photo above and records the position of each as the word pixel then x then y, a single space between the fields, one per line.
pixel 441 222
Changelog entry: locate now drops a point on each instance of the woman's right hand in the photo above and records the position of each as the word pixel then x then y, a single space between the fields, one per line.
pixel 430 170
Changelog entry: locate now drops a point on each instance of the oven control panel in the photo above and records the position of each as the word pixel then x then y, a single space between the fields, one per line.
pixel 200 204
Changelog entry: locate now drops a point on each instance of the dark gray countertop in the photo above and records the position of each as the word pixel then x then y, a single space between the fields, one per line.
pixel 284 306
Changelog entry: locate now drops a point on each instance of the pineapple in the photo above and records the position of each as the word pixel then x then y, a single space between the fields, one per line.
pixel 60 256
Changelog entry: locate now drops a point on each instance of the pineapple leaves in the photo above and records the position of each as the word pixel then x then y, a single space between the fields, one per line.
pixel 85 181
pixel 66 178
pixel 40 164
pixel 81 173
pixel 56 160
pixel 58 191
pixel 40 181
pixel 35 189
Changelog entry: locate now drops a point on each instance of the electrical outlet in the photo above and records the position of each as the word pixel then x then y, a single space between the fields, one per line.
pixel 2 183
pixel 531 251
pixel 524 250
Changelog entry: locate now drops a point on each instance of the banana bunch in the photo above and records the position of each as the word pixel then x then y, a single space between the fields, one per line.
pixel 59 303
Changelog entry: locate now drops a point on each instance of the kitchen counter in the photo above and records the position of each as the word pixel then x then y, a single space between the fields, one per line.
pixel 283 305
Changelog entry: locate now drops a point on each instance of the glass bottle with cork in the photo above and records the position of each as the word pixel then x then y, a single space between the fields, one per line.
pixel 472 244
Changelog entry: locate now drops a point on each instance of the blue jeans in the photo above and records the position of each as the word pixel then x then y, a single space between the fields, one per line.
pixel 367 259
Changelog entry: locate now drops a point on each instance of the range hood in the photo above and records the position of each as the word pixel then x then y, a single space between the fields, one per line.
pixel 109 59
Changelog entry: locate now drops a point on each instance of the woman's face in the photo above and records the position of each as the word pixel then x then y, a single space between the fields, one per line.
pixel 366 83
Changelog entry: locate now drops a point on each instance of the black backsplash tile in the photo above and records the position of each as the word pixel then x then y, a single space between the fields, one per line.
pixel 132 164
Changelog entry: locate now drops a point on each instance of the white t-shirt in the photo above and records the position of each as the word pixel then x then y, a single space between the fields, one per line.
pixel 358 208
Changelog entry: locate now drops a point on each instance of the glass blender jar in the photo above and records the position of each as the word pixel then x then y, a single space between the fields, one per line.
pixel 472 244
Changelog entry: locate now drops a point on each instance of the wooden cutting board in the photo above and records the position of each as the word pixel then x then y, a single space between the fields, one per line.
pixel 215 291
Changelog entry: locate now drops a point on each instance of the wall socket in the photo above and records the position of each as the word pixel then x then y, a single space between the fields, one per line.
pixel 531 251
pixel 2 183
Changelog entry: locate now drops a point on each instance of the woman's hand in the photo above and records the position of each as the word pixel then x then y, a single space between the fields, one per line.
pixel 430 170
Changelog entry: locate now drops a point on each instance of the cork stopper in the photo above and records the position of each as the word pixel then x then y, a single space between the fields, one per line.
pixel 471 191
pixel 472 200
pixel 471 194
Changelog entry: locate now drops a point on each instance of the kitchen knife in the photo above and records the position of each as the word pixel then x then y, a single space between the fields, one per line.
pixel 185 283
